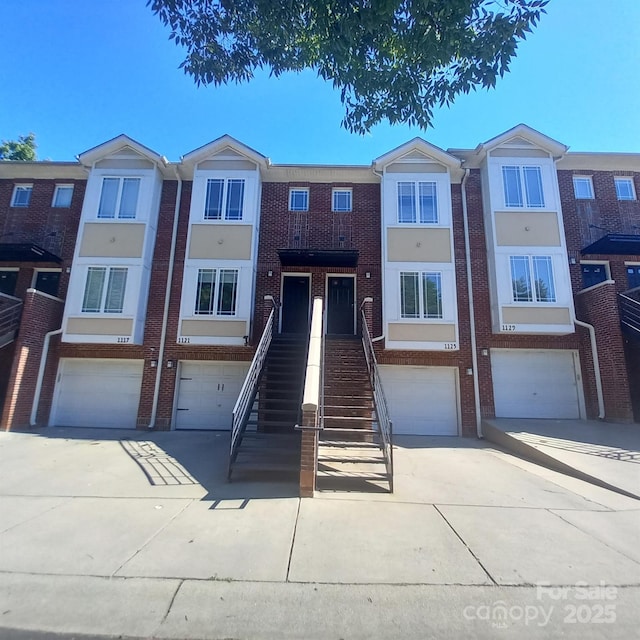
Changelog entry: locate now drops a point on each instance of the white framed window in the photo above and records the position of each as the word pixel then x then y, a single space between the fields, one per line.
pixel 224 199
pixel 583 187
pixel 217 292
pixel 62 196
pixel 532 279
pixel 21 196
pixel 522 186
pixel 625 189
pixel 341 200
pixel 298 199
pixel 104 290
pixel 421 294
pixel 417 203
pixel 119 198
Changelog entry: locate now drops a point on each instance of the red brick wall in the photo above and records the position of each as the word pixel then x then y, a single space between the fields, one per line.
pixel 40 314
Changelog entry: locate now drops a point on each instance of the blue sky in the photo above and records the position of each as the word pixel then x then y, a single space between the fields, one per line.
pixel 79 72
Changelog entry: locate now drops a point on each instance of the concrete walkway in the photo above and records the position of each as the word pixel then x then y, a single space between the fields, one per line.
pixel 134 534
pixel 603 453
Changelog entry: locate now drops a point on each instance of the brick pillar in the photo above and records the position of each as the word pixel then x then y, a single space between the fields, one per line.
pixel 309 454
pixel 367 307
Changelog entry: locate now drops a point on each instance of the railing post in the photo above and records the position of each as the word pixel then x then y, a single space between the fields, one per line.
pixel 309 453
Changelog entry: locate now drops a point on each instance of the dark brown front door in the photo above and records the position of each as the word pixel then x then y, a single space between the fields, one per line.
pixel 340 316
pixel 295 304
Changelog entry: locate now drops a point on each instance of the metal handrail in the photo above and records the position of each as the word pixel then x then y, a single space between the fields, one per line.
pixel 9 317
pixel 382 420
pixel 247 395
pixel 629 311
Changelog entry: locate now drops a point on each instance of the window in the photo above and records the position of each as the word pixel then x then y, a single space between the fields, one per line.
pixel 625 189
pixel 417 202
pixel 217 292
pixel 341 200
pixel 420 294
pixel 633 276
pixel 62 196
pixel 47 282
pixel 99 298
pixel 522 186
pixel 21 195
pixel 583 187
pixel 119 198
pixel 224 199
pixel 8 281
pixel 298 199
pixel 593 274
pixel 532 279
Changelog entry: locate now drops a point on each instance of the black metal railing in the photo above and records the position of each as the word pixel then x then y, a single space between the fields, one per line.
pixel 382 420
pixel 247 395
pixel 10 313
pixel 629 302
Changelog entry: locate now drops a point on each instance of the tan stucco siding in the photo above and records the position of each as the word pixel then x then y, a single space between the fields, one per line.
pixel 529 315
pixel 220 241
pixel 112 240
pixel 419 245
pixel 220 328
pixel 422 332
pixel 538 229
pixel 100 326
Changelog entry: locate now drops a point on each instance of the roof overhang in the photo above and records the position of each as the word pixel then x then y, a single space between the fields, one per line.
pixel 91 156
pixel 219 145
pixel 318 257
pixel 554 148
pixel 26 252
pixel 617 244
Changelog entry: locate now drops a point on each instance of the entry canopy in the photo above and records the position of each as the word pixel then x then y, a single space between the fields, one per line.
pixel 318 257
pixel 617 244
pixel 26 252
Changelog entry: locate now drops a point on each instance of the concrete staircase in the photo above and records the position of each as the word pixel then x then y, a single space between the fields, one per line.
pixel 349 457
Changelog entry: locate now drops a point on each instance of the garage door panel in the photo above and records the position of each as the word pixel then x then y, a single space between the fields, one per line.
pixel 98 393
pixel 422 400
pixel 207 393
pixel 535 384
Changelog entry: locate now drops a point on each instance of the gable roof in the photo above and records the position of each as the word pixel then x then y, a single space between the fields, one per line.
pixel 221 144
pixel 413 149
pixel 522 136
pixel 119 143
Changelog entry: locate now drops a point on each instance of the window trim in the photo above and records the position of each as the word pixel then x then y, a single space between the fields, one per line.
pixel 21 188
pixel 531 272
pixel 117 207
pixel 417 203
pixel 224 199
pixel 105 289
pixel 584 180
pixel 343 190
pixel 38 270
pixel 596 263
pixel 293 190
pixel 56 191
pixel 523 187
pixel 215 301
pixel 629 180
pixel 423 314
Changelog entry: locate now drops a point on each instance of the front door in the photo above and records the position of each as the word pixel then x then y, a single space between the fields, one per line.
pixel 633 277
pixel 295 304
pixel 340 316
pixel 8 280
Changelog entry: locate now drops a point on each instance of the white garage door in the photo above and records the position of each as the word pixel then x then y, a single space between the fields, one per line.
pixel 98 393
pixel 422 400
pixel 207 392
pixel 535 383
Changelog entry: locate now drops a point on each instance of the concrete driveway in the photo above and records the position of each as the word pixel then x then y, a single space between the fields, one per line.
pixel 138 534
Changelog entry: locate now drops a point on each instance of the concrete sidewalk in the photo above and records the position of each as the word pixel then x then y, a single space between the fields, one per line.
pixel 604 453
pixel 138 534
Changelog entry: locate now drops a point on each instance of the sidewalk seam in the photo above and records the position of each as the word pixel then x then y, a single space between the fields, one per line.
pixel 293 540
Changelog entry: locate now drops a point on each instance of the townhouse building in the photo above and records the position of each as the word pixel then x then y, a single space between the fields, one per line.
pixel 495 282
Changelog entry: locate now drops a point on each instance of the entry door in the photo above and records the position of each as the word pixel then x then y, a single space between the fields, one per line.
pixel 633 277
pixel 295 304
pixel 8 280
pixel 340 318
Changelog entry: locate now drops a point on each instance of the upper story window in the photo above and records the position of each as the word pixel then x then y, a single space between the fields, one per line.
pixel 62 196
pixel 522 186
pixel 421 294
pixel 21 195
pixel 217 292
pixel 224 199
pixel 625 189
pixel 104 290
pixel 119 198
pixel 341 200
pixel 298 199
pixel 583 187
pixel 417 203
pixel 532 279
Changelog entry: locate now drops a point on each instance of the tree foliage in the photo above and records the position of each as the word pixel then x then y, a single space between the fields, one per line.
pixel 392 59
pixel 24 148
